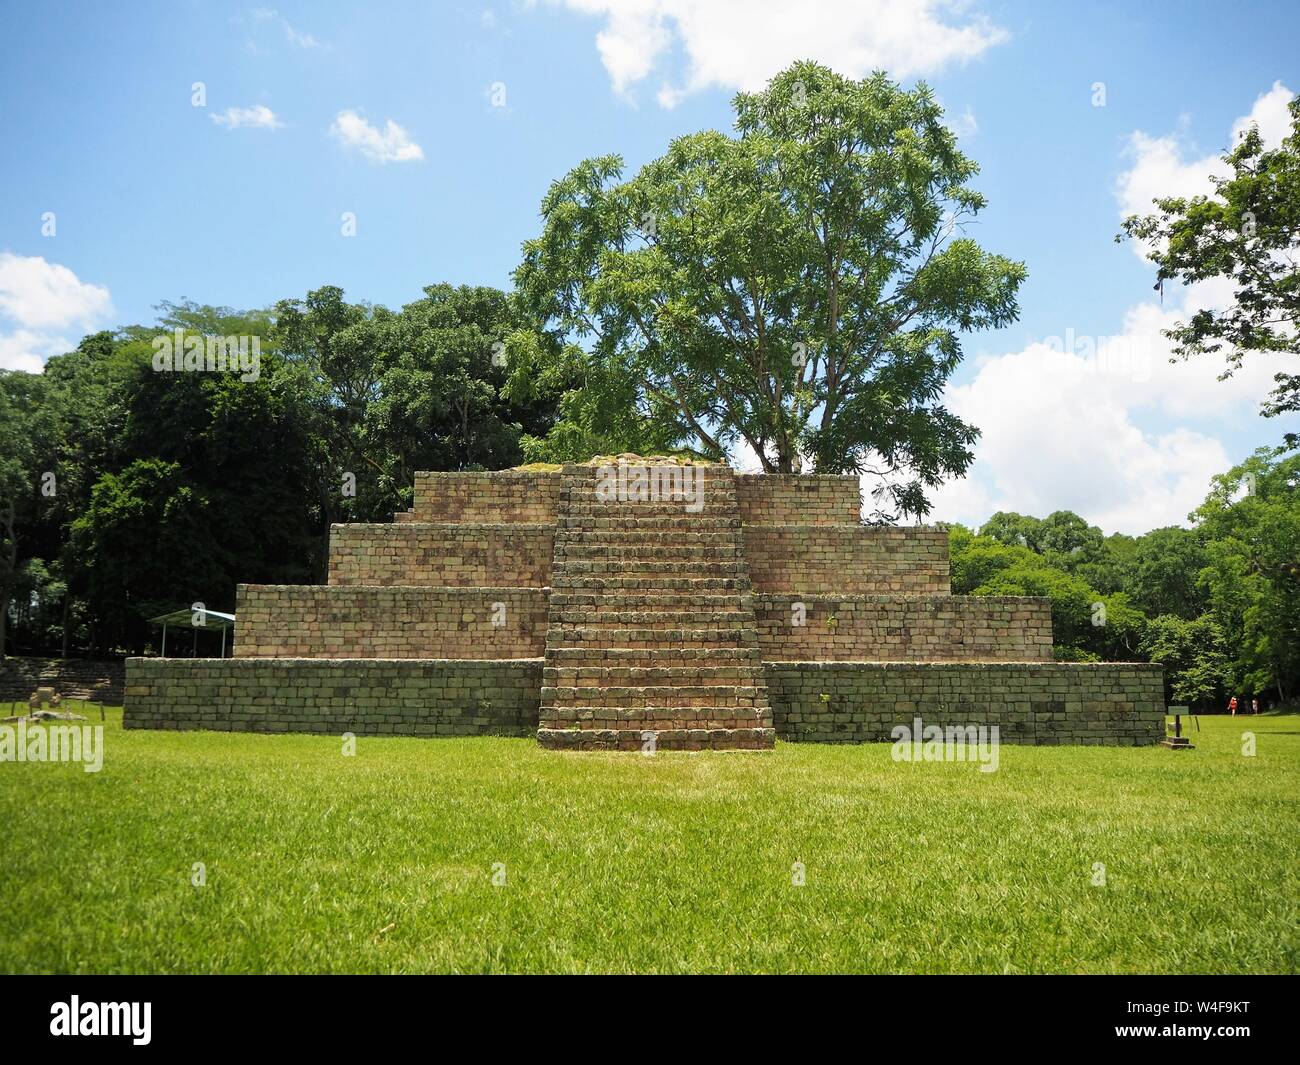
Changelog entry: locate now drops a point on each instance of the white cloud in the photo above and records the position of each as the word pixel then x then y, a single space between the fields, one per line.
pixel 259 116
pixel 391 145
pixel 740 44
pixel 1162 167
pixel 1270 114
pixel 964 125
pixel 1070 429
pixel 25 350
pixel 300 40
pixel 39 301
pixel 295 37
pixel 1066 426
pixel 38 294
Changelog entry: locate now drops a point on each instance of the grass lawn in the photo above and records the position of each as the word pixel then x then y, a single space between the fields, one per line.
pixel 383 862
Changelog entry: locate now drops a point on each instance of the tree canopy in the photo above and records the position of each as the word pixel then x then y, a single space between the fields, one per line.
pixel 125 491
pixel 1247 232
pixel 797 288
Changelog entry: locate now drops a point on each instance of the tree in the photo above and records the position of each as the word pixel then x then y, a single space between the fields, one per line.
pixel 16 490
pixel 976 560
pixel 798 288
pixel 390 393
pixel 1014 530
pixel 339 350
pixel 1194 654
pixel 441 405
pixel 148 543
pixel 1164 572
pixel 1246 232
pixel 1087 624
pixel 1251 525
pixel 1067 536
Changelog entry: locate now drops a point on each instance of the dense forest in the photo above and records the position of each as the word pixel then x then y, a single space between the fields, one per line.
pixel 791 289
pixel 1217 603
pixel 128 490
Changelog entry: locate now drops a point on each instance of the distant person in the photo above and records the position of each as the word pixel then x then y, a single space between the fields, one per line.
pixel 1232 706
pixel 1254 706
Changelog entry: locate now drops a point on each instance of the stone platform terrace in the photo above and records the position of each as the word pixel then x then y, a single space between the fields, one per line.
pixel 604 607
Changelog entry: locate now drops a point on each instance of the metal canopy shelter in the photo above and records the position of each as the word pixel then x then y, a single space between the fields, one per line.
pixel 212 619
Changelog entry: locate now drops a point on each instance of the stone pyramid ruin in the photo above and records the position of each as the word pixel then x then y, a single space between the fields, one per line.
pixel 637 604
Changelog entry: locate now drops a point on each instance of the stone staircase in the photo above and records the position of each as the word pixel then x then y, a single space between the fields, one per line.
pixel 652 638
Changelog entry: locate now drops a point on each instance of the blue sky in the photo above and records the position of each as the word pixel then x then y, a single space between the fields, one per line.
pixel 239 202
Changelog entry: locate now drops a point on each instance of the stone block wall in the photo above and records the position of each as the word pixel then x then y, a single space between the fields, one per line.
pixel 372 697
pixel 881 628
pixel 785 499
pixel 847 559
pixel 458 556
pixel 72 678
pixel 306 621
pixel 499 496
pixel 1102 703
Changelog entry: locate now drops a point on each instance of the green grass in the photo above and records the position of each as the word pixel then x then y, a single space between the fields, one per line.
pixel 383 861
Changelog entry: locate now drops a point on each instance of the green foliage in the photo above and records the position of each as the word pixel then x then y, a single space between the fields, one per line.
pixel 1219 603
pixel 1072 598
pixel 1251 523
pixel 1164 572
pixel 170 487
pixel 1246 232
pixel 1195 656
pixel 798 288
pixel 147 544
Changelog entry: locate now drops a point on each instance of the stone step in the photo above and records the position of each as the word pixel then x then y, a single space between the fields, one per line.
pixel 642 695
pixel 576 570
pixel 649 585
pixel 675 527
pixel 611 490
pixel 713 508
pixel 661 715
pixel 597 656
pixel 693 674
pixel 679 554
pixel 657 619
pixel 622 601
pixel 664 739
pixel 582 535
pixel 588 635
pixel 651 621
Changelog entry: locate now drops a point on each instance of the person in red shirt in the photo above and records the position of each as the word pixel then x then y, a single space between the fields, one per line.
pixel 1232 706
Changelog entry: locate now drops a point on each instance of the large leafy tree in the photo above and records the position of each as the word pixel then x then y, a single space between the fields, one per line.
pixel 1194 654
pixel 148 543
pixel 338 349
pixel 1251 524
pixel 1163 572
pixel 390 392
pixel 1015 530
pixel 441 405
pixel 798 288
pixel 1248 232
pixel 16 489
